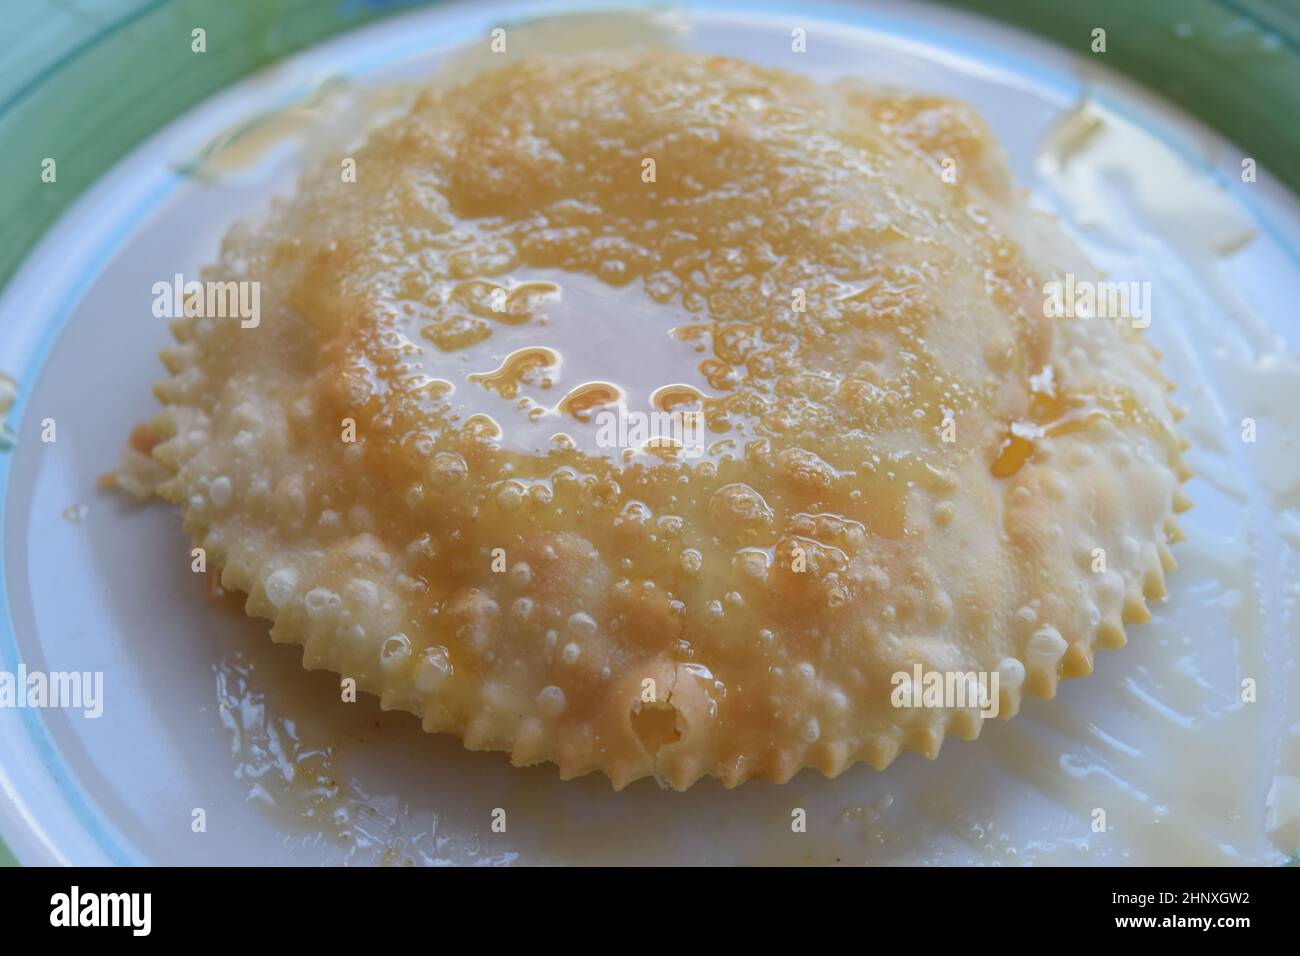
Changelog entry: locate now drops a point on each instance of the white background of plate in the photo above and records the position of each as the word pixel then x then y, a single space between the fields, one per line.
pixel 114 592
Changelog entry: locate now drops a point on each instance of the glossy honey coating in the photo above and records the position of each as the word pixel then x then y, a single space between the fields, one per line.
pixel 904 461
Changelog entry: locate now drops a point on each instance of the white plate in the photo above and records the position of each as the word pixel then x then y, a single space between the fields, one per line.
pixel 202 712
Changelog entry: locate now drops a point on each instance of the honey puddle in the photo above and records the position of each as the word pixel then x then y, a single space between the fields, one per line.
pixel 543 377
pixel 1159 739
pixel 288 757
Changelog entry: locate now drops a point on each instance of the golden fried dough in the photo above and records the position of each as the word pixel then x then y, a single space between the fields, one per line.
pixel 902 461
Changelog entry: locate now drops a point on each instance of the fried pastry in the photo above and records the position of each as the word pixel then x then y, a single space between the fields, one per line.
pixel 901 462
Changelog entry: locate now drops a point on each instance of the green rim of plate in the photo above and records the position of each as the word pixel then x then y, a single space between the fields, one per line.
pixel 86 84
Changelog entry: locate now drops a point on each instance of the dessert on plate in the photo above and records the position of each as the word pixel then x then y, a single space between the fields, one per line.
pixel 891 461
